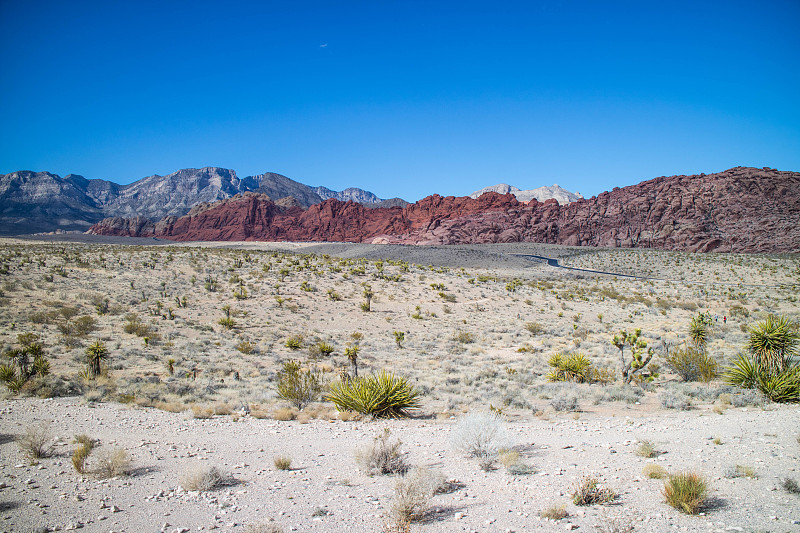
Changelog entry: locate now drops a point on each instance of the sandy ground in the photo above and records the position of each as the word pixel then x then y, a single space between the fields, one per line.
pixel 467 313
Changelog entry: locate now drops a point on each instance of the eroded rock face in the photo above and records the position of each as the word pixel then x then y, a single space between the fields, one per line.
pixel 739 210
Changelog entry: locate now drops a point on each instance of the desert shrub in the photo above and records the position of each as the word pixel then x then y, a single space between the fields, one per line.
pixel 464 337
pixel 790 485
pixel 741 471
pixel 295 342
pixel 112 462
pixel 282 462
pixel 321 349
pixel 227 322
pixel 246 347
pixel 621 393
pixel 654 471
pixel 135 326
pixel 37 441
pixel 534 328
pixel 565 402
pixel 514 465
pixel 203 479
pixel 554 512
pixel 412 494
pixel 747 398
pixel 480 435
pixel 84 325
pixel 646 449
pixel 686 492
pixel 672 400
pixel 693 364
pixel 382 456
pixel 589 492
pixel 382 395
pixel 297 385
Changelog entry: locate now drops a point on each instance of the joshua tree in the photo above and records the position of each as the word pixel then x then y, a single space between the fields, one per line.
pixel 352 355
pixel 699 330
pixel 95 354
pixel 368 294
pixel 399 336
pixel 640 353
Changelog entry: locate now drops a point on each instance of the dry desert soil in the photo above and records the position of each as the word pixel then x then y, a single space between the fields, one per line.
pixel 196 335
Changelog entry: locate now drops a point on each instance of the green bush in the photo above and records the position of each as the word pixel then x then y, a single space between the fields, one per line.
pixel 782 386
pixel 692 364
pixel 299 386
pixel 383 395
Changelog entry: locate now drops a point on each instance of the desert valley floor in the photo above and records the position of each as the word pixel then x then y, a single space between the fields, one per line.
pixel 197 334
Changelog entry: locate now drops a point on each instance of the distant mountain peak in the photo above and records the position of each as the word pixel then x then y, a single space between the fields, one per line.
pixel 541 194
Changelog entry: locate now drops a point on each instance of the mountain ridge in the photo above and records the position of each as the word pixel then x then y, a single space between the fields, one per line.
pixel 541 194
pixel 738 210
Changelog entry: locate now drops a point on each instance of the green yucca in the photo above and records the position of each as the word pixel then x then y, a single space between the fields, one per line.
pixel 381 395
pixel 781 386
pixel 574 367
pixel 773 342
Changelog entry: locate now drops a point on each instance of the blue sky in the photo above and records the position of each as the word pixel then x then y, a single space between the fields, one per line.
pixel 402 98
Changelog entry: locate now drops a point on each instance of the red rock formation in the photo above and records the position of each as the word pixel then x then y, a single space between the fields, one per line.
pixel 739 210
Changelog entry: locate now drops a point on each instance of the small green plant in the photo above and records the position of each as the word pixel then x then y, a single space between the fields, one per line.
pixel 240 293
pixel 321 349
pixel 382 395
pixel 399 337
pixel 333 295
pixel 589 492
pixel 297 385
pixel 283 462
pixel 295 342
pixel 686 492
pixel 368 295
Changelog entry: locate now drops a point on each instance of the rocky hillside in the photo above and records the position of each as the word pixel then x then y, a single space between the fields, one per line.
pixel 739 210
pixel 33 202
pixel 541 194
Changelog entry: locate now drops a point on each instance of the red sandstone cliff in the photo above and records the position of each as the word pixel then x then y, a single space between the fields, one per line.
pixel 739 210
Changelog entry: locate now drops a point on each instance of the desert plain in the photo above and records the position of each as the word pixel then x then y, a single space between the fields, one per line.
pixel 196 335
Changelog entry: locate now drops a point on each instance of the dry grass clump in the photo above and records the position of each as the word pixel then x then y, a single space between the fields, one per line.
pixel 686 492
pixel 268 527
pixel 112 462
pixel 79 456
pixel 741 471
pixel 382 456
pixel 202 412
pixel 285 414
pixel 412 494
pixel 480 435
pixel 589 492
pixel 283 462
pixel 554 512
pixel 653 471
pixel 203 479
pixel 37 442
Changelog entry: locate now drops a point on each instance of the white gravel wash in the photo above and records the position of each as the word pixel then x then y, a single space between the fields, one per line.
pixel 324 491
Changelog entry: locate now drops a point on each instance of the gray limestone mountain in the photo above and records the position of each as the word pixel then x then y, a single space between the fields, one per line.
pixel 32 202
pixel 561 195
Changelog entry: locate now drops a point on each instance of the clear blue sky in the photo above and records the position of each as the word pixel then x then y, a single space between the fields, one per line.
pixel 403 98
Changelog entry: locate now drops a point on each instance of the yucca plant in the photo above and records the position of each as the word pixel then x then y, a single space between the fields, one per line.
pixel 773 342
pixel 573 367
pixel 381 395
pixel 96 353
